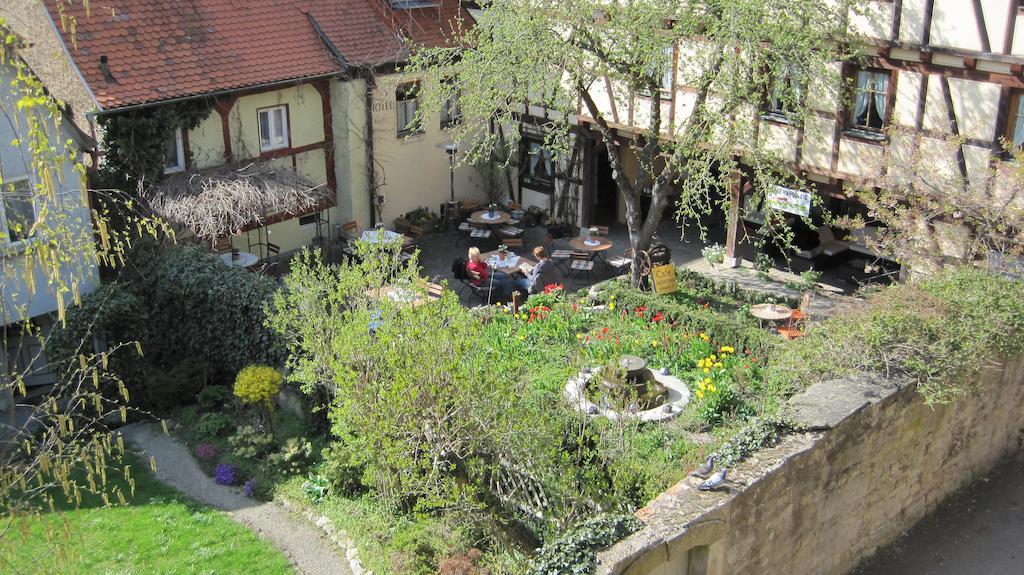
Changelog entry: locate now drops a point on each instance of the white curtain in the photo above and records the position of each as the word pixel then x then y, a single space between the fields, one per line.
pixel 863 95
pixel 1018 124
pixel 881 93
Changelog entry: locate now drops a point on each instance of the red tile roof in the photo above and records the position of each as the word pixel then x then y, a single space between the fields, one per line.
pixel 165 49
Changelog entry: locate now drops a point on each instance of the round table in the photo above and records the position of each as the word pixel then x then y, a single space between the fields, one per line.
pixel 771 312
pixel 515 264
pixel 591 244
pixel 244 259
pixel 483 217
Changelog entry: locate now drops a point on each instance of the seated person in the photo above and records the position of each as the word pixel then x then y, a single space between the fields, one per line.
pixel 539 276
pixel 481 273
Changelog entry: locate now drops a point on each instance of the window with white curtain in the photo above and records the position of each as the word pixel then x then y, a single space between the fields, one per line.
pixel 17 210
pixel 786 91
pixel 273 128
pixel 870 100
pixel 538 173
pixel 451 111
pixel 406 106
pixel 669 71
pixel 1015 122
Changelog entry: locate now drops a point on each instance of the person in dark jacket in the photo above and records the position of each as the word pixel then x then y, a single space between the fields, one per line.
pixel 539 276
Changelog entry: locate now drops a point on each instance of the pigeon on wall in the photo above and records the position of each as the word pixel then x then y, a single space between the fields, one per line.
pixel 714 482
pixel 704 470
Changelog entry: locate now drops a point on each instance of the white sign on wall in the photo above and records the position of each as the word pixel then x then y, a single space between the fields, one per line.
pixel 790 200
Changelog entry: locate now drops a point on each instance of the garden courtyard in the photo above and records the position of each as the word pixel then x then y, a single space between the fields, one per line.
pixel 427 436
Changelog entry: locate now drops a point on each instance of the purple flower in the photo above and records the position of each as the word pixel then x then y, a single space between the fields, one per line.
pixel 249 487
pixel 206 452
pixel 225 474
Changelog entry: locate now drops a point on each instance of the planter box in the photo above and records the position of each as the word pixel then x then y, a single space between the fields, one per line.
pixel 431 225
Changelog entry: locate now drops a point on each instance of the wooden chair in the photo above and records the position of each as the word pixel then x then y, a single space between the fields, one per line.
pixel 413 234
pixel 513 243
pixel 620 264
pixel 222 245
pixel 350 230
pixel 580 263
pixel 510 231
pixel 561 258
pixel 469 206
pixel 466 279
pixel 480 231
pixel 434 290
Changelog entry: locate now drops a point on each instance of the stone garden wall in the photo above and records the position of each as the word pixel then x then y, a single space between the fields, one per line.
pixel 872 460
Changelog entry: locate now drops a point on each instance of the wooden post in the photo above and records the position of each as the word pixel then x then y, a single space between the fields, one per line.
pixel 733 221
pixel 517 300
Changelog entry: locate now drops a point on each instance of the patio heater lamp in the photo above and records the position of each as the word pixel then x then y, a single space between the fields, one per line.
pixel 450 148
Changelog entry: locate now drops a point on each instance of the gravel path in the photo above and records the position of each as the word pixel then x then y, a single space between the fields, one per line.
pixel 305 546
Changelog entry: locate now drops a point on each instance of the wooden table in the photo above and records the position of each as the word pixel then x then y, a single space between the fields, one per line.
pixel 244 259
pixel 771 312
pixel 482 217
pixel 520 261
pixel 592 244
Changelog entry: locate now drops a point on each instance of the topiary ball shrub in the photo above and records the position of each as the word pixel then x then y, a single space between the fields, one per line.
pixel 258 384
pixel 206 452
pixel 225 474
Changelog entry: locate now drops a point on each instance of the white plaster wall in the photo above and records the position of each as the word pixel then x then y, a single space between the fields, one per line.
pixel 976 105
pixel 67 209
pixel 953 25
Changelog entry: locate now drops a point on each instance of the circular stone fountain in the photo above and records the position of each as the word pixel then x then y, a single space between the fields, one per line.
pixel 642 392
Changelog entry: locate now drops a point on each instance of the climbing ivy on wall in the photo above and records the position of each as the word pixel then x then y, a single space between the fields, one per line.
pixel 135 141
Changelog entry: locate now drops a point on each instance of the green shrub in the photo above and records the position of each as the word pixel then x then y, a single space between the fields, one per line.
pixel 940 332
pixel 343 471
pixel 213 425
pixel 176 386
pixel 295 456
pixel 109 315
pixel 215 397
pixel 258 384
pixel 574 552
pixel 196 307
pixel 248 442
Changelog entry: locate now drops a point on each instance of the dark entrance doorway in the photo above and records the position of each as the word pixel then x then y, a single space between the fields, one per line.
pixel 604 194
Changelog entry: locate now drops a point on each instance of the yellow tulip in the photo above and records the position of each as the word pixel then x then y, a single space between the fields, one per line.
pixel 718 364
pixel 700 393
pixel 711 387
pixel 706 370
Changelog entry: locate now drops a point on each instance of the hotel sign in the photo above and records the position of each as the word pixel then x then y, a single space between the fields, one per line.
pixel 790 200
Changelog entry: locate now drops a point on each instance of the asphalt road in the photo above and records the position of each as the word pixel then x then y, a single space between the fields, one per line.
pixel 978 531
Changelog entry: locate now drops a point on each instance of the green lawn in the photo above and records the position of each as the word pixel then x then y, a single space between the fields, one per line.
pixel 159 532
